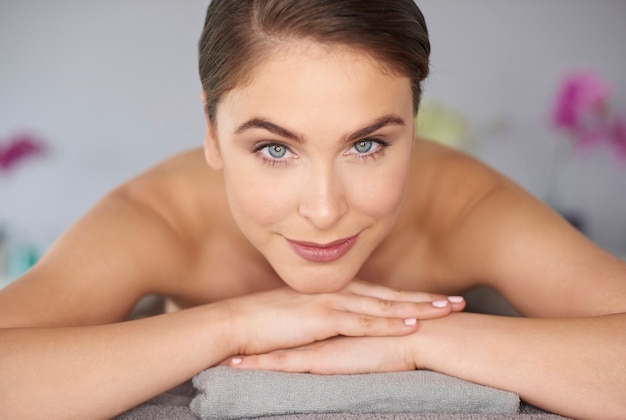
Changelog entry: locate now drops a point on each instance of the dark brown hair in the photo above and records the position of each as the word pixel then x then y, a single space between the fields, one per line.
pixel 238 34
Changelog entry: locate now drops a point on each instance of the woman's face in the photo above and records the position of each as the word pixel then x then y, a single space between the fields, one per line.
pixel 315 152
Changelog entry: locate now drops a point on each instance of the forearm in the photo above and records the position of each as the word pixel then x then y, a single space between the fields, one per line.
pixel 574 367
pixel 100 371
pixel 87 372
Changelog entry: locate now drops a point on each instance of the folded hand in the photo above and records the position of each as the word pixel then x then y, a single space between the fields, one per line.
pixel 284 319
pixel 337 356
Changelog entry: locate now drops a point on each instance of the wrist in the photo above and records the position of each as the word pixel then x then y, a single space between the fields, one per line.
pixel 435 340
pixel 420 343
pixel 224 318
pixel 211 325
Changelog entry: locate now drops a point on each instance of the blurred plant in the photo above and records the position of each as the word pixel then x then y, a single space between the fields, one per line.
pixel 441 124
pixel 14 261
pixel 19 149
pixel 583 111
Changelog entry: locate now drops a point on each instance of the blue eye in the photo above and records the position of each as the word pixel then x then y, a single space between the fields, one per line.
pixel 274 154
pixel 363 146
pixel 367 149
pixel 276 151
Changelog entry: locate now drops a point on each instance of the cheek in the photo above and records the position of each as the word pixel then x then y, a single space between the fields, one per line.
pixel 380 195
pixel 255 198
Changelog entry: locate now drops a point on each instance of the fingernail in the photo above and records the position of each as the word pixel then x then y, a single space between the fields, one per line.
pixel 440 303
pixel 236 360
pixel 456 299
pixel 410 321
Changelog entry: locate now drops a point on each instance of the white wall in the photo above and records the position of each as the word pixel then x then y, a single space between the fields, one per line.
pixel 499 63
pixel 113 87
pixel 111 84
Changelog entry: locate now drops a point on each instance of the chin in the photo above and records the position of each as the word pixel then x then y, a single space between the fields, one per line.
pixel 316 279
pixel 316 288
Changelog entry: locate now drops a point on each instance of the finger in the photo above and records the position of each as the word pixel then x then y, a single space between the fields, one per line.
pixel 395 309
pixel 359 325
pixel 457 303
pixel 383 292
pixel 282 360
pixel 322 357
pixel 334 356
pixel 225 362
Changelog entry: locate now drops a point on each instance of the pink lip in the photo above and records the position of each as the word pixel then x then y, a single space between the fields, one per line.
pixel 323 253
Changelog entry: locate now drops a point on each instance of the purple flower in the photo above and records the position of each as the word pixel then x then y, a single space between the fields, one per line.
pixel 582 110
pixel 19 149
pixel 581 96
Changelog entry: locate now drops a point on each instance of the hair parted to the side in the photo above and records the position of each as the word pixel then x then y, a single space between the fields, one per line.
pixel 238 34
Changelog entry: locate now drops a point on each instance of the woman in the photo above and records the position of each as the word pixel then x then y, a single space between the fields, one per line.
pixel 320 237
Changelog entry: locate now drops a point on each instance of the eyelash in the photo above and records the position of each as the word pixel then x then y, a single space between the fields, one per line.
pixel 258 151
pixel 380 145
pixel 379 151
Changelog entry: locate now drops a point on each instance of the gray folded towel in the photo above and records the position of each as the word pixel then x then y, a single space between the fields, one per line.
pixel 228 393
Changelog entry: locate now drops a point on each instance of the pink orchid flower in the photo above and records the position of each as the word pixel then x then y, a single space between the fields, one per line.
pixel 19 149
pixel 582 110
pixel 581 95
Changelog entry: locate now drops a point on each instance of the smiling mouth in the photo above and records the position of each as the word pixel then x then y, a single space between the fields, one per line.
pixel 323 253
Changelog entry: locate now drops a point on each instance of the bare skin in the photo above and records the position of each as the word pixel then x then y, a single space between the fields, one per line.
pixel 192 280
pixel 173 231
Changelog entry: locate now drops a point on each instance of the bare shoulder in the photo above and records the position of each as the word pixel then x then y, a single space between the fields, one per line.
pixel 446 184
pixel 134 241
pixel 489 230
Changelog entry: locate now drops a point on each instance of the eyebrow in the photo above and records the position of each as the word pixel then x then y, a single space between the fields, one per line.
pixel 379 123
pixel 264 124
pixel 269 126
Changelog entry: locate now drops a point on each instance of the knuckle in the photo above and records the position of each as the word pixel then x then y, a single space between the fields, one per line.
pixel 425 297
pixel 386 305
pixel 393 324
pixel 398 294
pixel 329 311
pixel 280 357
pixel 366 321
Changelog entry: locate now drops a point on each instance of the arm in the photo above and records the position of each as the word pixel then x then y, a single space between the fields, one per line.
pixel 574 367
pixel 569 357
pixel 64 350
pixel 101 371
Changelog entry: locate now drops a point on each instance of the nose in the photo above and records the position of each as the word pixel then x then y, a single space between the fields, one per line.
pixel 322 199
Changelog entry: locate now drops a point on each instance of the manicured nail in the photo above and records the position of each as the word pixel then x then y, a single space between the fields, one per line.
pixel 440 303
pixel 456 299
pixel 410 321
pixel 236 360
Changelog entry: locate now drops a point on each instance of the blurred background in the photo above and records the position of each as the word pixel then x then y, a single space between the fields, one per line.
pixel 92 93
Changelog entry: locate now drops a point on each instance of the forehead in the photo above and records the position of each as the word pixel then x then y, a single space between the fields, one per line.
pixel 303 82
